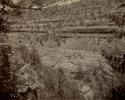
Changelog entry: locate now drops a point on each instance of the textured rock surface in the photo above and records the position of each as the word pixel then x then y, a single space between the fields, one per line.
pixel 81 67
pixel 74 62
pixel 71 59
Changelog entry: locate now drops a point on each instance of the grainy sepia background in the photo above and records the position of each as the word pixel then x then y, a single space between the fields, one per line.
pixel 62 49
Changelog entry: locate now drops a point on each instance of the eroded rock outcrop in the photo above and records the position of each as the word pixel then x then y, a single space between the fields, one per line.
pixel 87 69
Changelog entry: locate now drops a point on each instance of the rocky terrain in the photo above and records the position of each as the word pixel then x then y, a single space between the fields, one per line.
pixel 86 70
pixel 37 63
